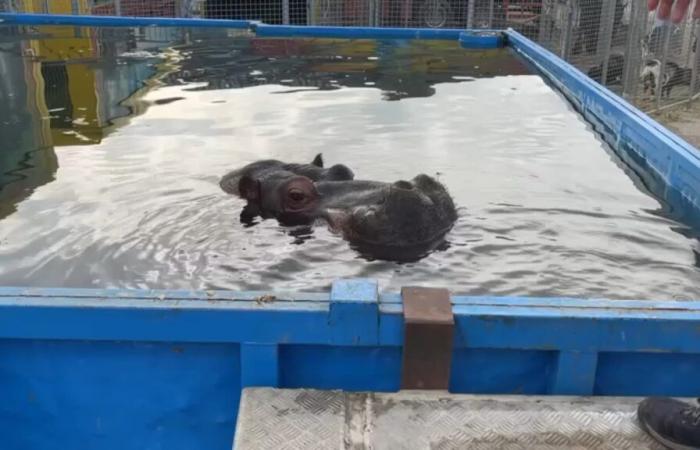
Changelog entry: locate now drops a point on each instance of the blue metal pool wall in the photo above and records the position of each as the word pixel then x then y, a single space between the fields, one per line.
pixel 105 369
pixel 115 21
pixel 469 39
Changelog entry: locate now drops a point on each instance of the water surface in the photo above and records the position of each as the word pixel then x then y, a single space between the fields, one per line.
pixel 114 141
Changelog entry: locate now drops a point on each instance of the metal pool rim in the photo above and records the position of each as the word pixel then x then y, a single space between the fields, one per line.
pixel 476 38
pixel 355 314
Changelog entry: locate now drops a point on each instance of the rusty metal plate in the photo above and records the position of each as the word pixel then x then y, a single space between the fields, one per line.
pixel 428 336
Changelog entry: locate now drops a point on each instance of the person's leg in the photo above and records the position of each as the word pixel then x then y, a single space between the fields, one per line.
pixel 673 423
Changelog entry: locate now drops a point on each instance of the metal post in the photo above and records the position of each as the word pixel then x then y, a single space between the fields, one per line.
pixel 117 7
pixel 686 36
pixel 633 52
pixel 662 69
pixel 607 22
pixel 542 34
pixel 696 65
pixel 470 14
pixel 491 13
pixel 607 12
pixel 311 9
pixel 372 13
pixel 285 12
pixel 567 36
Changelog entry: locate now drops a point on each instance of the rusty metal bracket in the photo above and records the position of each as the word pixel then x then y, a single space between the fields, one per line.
pixel 428 332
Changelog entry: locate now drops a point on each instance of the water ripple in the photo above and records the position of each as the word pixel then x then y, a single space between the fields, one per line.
pixel 544 207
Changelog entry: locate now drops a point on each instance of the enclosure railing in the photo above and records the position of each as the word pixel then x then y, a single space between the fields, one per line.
pixel 619 43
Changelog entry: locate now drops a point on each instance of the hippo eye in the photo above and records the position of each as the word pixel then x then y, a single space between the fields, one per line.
pixel 297 200
pixel 296 196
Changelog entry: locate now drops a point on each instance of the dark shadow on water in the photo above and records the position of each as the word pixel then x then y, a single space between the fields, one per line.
pixel 402 255
pixel 300 233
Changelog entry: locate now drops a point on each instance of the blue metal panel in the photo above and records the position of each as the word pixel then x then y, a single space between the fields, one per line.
pixel 354 312
pixel 98 296
pixel 575 373
pixel 259 365
pixel 538 324
pixel 114 396
pixel 165 320
pixel 114 21
pixel 500 371
pixel 664 155
pixel 523 328
pixel 347 368
pixel 644 373
pixel 574 304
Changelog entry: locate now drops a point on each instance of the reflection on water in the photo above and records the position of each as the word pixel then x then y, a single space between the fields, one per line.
pixel 113 146
pixel 62 88
pixel 398 69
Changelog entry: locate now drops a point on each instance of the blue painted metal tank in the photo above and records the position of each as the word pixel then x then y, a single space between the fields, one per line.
pixel 118 369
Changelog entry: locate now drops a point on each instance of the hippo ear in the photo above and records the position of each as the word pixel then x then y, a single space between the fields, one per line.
pixel 249 188
pixel 318 160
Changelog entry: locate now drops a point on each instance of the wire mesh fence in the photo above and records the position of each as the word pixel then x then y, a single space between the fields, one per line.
pixel 616 42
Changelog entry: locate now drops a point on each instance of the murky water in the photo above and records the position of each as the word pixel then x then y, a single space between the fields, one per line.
pixel 110 161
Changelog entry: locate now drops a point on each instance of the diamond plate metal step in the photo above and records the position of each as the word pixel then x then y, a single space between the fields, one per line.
pixel 310 419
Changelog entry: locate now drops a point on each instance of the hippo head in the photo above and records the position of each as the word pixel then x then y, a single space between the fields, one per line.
pixel 289 198
pixel 260 170
pixel 266 176
pixel 398 221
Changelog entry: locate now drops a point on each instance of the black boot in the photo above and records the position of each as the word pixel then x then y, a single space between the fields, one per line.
pixel 673 423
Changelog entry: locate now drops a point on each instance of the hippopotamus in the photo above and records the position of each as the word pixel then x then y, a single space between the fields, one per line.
pixel 402 220
pixel 251 180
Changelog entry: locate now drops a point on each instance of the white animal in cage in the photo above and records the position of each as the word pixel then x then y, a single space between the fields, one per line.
pixel 650 73
pixel 673 75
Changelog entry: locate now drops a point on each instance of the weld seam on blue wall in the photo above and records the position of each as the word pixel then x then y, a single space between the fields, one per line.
pixel 113 21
